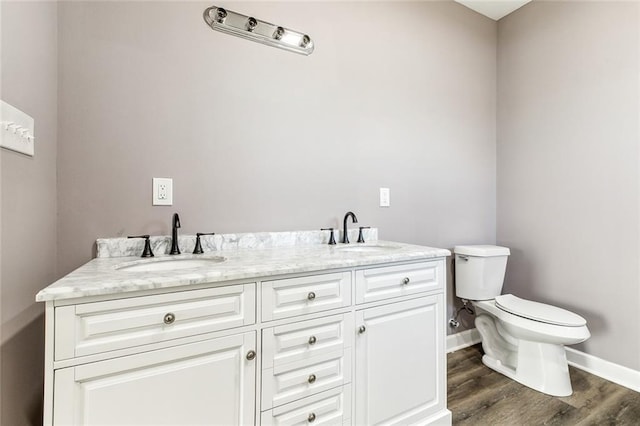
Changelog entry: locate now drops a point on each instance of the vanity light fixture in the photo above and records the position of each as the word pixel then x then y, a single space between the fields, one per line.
pixel 254 29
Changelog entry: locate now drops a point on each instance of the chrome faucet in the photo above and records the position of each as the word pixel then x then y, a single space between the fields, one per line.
pixel 174 234
pixel 354 219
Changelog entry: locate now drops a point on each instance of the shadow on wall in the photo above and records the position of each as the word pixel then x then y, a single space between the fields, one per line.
pixel 520 285
pixel 596 323
pixel 22 383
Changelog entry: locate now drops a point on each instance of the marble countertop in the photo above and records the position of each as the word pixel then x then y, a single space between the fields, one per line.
pixel 101 275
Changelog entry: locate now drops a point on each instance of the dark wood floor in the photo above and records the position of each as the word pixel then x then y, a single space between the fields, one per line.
pixel 479 396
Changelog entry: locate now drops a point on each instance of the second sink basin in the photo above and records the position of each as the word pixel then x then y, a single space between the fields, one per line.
pixel 369 248
pixel 169 264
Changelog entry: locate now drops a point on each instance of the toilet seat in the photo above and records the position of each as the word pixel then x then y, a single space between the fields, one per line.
pixel 538 311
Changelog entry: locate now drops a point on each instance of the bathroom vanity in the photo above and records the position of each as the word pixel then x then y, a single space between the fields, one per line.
pixel 271 331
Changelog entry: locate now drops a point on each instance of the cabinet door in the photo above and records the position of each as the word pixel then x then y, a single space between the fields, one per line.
pixel 400 364
pixel 208 382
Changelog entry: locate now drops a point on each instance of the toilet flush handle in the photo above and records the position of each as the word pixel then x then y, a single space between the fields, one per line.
pixel 465 258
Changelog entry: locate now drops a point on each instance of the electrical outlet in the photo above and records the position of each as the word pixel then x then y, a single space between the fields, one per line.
pixel 385 197
pixel 162 191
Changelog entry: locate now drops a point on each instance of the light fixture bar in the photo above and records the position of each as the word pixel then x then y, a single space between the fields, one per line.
pixel 254 29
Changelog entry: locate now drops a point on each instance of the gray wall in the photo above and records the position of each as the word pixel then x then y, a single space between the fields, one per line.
pixel 397 94
pixel 28 191
pixel 568 164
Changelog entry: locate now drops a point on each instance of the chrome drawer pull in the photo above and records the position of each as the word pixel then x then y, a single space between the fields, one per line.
pixel 169 318
pixel 311 295
pixel 312 378
pixel 251 355
pixel 362 329
pixel 312 340
pixel 311 418
pixel 405 281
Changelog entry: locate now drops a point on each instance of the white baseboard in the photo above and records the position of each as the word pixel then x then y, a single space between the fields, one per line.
pixel 462 340
pixel 615 373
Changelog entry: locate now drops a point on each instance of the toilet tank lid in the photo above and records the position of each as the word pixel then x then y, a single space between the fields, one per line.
pixel 482 250
pixel 539 311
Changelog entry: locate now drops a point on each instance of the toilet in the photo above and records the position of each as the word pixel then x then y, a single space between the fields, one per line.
pixel 522 339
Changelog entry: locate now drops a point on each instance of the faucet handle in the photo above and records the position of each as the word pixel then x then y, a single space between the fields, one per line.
pixel 332 239
pixel 198 248
pixel 360 235
pixel 147 245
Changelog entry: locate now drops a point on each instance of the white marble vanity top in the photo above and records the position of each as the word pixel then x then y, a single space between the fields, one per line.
pixel 101 275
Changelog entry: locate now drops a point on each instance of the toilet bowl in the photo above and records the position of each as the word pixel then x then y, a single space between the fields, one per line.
pixel 522 339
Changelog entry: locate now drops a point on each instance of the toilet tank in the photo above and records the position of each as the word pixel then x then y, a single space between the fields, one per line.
pixel 479 272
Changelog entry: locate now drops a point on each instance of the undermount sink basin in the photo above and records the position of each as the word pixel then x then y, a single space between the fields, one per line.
pixel 170 264
pixel 372 248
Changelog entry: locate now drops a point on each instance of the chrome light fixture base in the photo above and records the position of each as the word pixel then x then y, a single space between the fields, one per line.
pixel 250 28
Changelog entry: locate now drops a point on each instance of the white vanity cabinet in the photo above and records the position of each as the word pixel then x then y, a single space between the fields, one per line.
pixel 400 369
pixel 352 346
pixel 153 359
pixel 307 364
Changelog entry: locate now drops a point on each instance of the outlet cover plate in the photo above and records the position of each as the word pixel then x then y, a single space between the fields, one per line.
pixel 162 191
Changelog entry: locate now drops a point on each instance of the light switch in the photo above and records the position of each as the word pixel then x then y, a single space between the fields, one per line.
pixel 385 197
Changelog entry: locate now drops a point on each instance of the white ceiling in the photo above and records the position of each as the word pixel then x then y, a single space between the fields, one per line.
pixel 494 9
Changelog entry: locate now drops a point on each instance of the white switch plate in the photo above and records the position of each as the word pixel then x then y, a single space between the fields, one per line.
pixel 162 191
pixel 385 197
pixel 16 130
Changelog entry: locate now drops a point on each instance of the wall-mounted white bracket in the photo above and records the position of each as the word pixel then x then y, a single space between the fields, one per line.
pixel 16 130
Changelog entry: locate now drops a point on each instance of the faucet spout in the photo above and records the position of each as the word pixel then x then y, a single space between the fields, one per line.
pixel 174 234
pixel 354 219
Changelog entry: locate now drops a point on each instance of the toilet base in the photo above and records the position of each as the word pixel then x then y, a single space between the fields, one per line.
pixel 540 366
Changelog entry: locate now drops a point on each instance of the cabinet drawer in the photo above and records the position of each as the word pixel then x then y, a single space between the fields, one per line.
pixel 116 324
pixel 332 407
pixel 305 339
pixel 305 295
pixel 296 380
pixel 394 281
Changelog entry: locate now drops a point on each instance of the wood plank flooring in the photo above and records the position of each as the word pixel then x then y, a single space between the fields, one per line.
pixel 479 396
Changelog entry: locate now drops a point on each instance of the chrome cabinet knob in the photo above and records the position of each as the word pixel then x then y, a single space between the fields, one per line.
pixel 251 355
pixel 405 281
pixel 312 340
pixel 169 318
pixel 362 329
pixel 311 295
pixel 311 418
pixel 312 378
